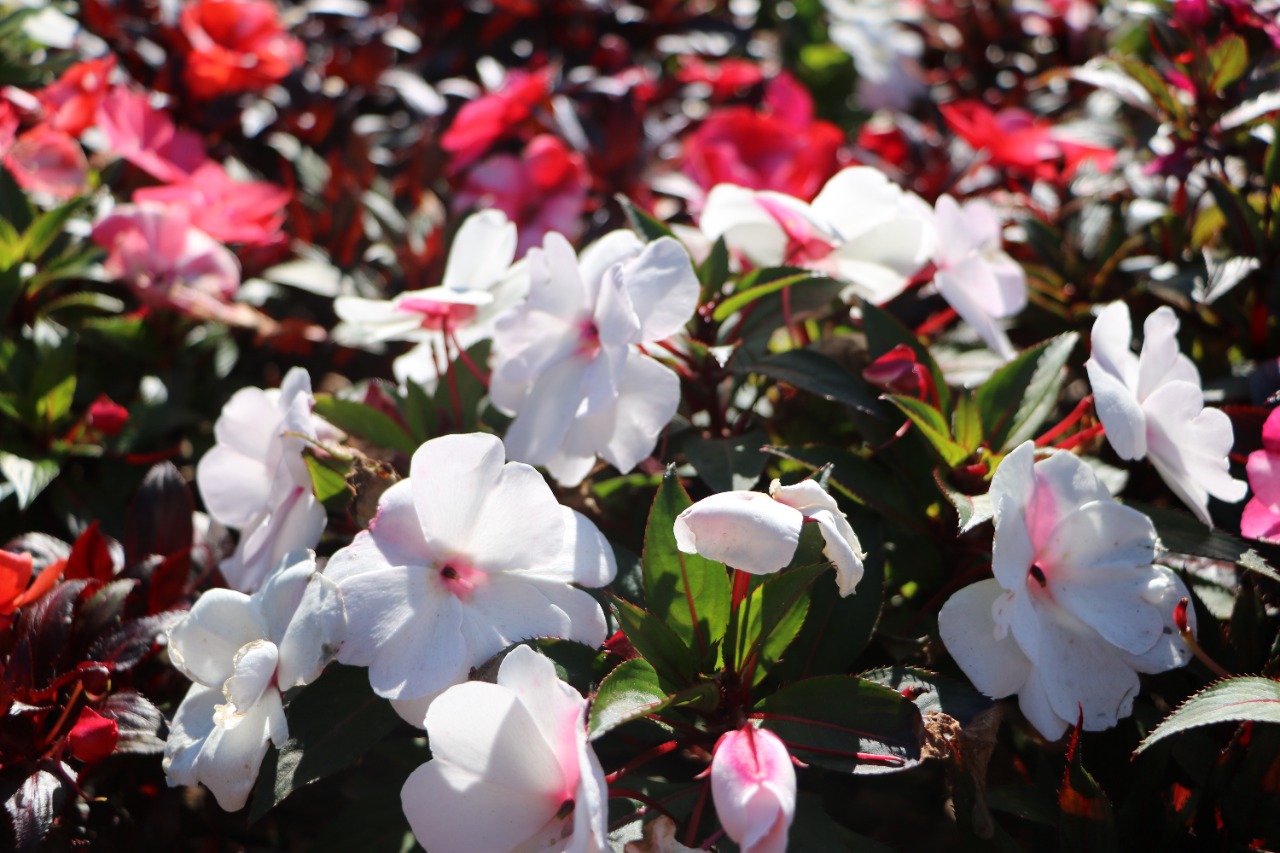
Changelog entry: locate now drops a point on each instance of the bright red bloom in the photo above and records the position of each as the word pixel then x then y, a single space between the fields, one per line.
pixel 1015 140
pixel 227 210
pixel 484 121
pixel 147 138
pixel 71 102
pixel 544 189
pixel 781 148
pixel 107 416
pixel 727 78
pixel 236 46
pixel 15 574
pixel 93 737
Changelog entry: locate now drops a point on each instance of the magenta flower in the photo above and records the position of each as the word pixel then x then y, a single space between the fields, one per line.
pixel 1261 518
pixel 147 138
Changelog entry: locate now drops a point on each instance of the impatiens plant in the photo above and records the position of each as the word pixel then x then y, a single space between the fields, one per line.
pixel 439 425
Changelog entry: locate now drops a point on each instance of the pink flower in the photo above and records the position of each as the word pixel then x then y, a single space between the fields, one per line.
pixel 107 416
pixel 227 210
pixel 1261 518
pixel 782 148
pixel 43 160
pixel 489 118
pixel 1016 140
pixel 508 759
pixel 542 190
pixel 236 46
pixel 147 138
pixel 753 784
pixel 71 102
pixel 167 261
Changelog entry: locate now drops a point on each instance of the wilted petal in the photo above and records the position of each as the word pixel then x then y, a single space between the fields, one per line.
pixel 204 644
pixel 254 666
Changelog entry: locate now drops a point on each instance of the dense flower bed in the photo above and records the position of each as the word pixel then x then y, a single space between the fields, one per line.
pixel 585 425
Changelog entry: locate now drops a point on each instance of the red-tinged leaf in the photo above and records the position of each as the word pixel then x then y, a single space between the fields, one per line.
pixel 168 582
pixel 43 634
pixel 32 802
pixel 90 557
pixel 140 725
pixel 160 514
pixel 131 641
pixel 656 642
pixel 1087 822
pixel 1232 700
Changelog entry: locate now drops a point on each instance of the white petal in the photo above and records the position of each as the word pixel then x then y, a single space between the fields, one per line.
pixel 663 288
pixel 1170 651
pixel 1121 415
pixel 1078 668
pixel 314 635
pixel 747 530
pixel 997 667
pixel 1033 700
pixel 234 487
pixel 204 645
pixel 1189 444
pixel 457 811
pixel 585 556
pixel 482 250
pixel 394 538
pixel 1159 350
pixel 753 785
pixel 254 667
pixel 648 397
pixel 857 199
pixel 519 523
pixel 556 709
pixel 450 479
pixel 963 285
pixel 1012 492
pixel 1063 483
pixel 1110 341
pixel 613 248
pixel 547 413
pixel 731 212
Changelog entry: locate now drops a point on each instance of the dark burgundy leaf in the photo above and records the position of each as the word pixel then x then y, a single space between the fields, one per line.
pixel 32 805
pixel 132 641
pixel 159 519
pixel 141 726
pixel 43 633
pixel 90 557
pixel 168 582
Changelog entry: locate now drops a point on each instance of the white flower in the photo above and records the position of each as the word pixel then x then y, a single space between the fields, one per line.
pixel 1152 405
pixel 862 228
pixel 480 283
pixel 465 557
pixel 753 784
pixel 511 768
pixel 1076 610
pixel 758 533
pixel 975 276
pixel 884 50
pixel 242 651
pixel 256 481
pixel 567 362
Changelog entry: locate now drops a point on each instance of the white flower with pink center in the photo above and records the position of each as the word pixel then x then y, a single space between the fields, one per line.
pixel 753 784
pixel 568 362
pixel 465 557
pixel 511 768
pixel 862 228
pixel 1076 609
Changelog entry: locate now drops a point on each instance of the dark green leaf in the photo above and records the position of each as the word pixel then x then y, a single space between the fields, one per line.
pixel 633 690
pixel 1018 397
pixel 845 723
pixel 685 591
pixel 764 285
pixel 1232 700
pixel 656 642
pixel 642 223
pixel 1182 533
pixel 771 617
pixel 714 271
pixel 971 510
pixel 932 692
pixel 420 412
pixel 1087 822
pixel 932 426
pixel 460 391
pixel 49 226
pixel 810 370
pixel 364 421
pixel 1242 218
pixel 966 424
pixel 728 464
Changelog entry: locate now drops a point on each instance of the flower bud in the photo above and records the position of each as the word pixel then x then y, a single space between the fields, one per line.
pixel 107 416
pixel 753 785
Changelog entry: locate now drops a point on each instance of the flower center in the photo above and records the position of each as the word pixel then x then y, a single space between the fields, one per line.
pixel 588 339
pixel 461 580
pixel 1036 573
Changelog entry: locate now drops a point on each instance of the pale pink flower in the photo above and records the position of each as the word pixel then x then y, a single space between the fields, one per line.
pixel 255 479
pixel 862 228
pixel 759 533
pixel 1261 518
pixel 147 138
pixel 1076 609
pixel 242 652
pixel 43 160
pixel 1152 405
pixel 508 762
pixel 568 363
pixel 982 283
pixel 168 262
pixel 464 558
pixel 753 784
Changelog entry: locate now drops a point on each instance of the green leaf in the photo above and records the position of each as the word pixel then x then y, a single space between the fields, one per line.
pixel 1182 533
pixel 656 642
pixel 420 412
pixel 845 723
pixel 1233 700
pixel 49 226
pixel 771 617
pixel 642 223
pixel 728 464
pixel 687 592
pixel 884 333
pixel 1015 401
pixel 1086 821
pixel 932 426
pixel 1243 219
pixel 774 280
pixel 932 692
pixel 364 421
pixel 332 723
pixel 460 390
pixel 714 271
pixel 810 370
pixel 971 510
pixel 329 481
pixel 634 690
pixel 14 206
pixel 53 386
pixel 1229 58
pixel 966 424
pixel 27 478
pixel 1150 80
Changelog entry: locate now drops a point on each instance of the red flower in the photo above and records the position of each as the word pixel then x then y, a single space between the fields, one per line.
pixel 43 159
pixel 728 78
pixel 780 148
pixel 544 189
pixel 225 209
pixel 147 138
pixel 484 121
pixel 1017 141
pixel 15 574
pixel 71 102
pixel 236 46
pixel 107 416
pixel 93 737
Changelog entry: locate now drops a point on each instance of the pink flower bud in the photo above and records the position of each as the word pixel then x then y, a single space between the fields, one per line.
pixel 94 736
pixel 753 784
pixel 107 416
pixel 1192 14
pixel 897 372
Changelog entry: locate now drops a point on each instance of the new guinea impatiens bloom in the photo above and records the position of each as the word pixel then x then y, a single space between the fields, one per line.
pixel 243 652
pixel 480 283
pixel 1261 519
pixel 862 228
pixel 1151 405
pixel 1076 609
pixel 759 533
pixel 465 557
pixel 511 768
pixel 982 283
pixel 255 479
pixel 753 784
pixel 568 364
